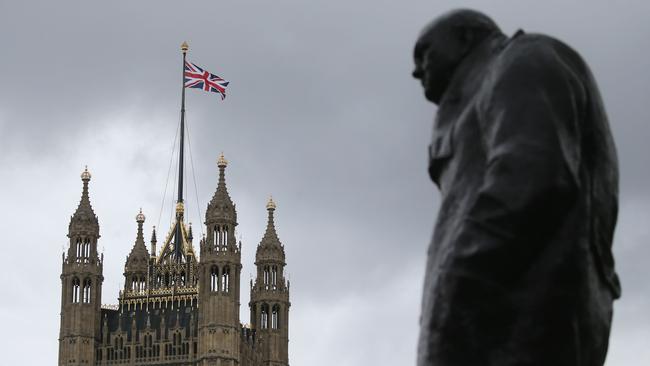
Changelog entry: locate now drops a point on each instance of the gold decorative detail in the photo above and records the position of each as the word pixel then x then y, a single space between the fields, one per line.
pixel 140 217
pixel 270 205
pixel 180 208
pixel 185 47
pixel 222 162
pixel 85 175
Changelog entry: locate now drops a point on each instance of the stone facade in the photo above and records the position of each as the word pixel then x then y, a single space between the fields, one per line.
pixel 176 308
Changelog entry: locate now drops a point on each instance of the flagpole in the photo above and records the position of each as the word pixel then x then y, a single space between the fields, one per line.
pixel 179 202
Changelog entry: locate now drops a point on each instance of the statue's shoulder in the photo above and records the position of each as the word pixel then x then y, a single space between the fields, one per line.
pixel 535 57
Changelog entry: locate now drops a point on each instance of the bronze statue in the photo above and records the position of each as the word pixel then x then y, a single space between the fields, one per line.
pixel 520 269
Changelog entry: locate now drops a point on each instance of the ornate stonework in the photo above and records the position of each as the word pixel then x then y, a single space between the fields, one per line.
pixel 176 308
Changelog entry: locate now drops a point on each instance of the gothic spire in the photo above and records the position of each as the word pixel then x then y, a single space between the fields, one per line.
pixel 270 247
pixel 84 219
pixel 139 256
pixel 221 207
pixel 270 236
pixel 153 242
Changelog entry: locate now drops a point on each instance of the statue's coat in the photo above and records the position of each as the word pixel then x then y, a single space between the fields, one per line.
pixel 520 269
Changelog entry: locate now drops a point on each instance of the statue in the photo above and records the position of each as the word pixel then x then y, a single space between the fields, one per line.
pixel 520 270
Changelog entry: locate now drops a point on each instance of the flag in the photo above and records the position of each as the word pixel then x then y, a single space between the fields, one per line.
pixel 196 77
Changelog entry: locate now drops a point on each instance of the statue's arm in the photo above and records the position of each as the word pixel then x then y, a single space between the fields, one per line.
pixel 529 123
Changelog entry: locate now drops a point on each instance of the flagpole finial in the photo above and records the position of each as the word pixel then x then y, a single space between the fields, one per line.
pixel 185 47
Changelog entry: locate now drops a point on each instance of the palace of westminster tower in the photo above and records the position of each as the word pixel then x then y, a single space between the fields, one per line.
pixel 177 307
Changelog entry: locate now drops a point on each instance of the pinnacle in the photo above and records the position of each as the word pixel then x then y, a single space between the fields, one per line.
pixel 139 253
pixel 221 205
pixel 270 246
pixel 84 218
pixel 270 236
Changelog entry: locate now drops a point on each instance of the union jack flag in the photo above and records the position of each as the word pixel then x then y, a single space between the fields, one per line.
pixel 196 77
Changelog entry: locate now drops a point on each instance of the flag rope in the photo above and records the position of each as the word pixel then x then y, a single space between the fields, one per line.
pixel 169 170
pixel 196 190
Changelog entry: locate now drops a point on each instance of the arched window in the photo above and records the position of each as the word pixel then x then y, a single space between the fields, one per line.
pixel 86 290
pixel 266 276
pixel 274 276
pixel 182 279
pixel 75 289
pixel 225 279
pixel 275 317
pixel 225 236
pixel 86 251
pixel 78 253
pixel 215 237
pixel 264 321
pixel 214 279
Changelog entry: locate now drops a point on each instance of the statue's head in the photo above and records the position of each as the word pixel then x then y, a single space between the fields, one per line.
pixel 444 43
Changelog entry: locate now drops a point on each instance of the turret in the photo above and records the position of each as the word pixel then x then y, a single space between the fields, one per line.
pixel 269 305
pixel 81 283
pixel 219 272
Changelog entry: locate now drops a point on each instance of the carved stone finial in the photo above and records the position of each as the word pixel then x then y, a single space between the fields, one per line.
pixel 140 217
pixel 270 205
pixel 222 162
pixel 85 175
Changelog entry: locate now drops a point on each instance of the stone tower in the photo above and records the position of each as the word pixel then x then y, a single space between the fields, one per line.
pixel 81 286
pixel 269 305
pixel 219 278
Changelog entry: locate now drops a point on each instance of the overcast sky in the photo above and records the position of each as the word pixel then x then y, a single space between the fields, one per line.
pixel 321 112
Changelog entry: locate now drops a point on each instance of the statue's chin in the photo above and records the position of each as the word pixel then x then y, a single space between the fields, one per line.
pixel 433 96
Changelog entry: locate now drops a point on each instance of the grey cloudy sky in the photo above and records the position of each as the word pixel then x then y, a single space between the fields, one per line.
pixel 322 113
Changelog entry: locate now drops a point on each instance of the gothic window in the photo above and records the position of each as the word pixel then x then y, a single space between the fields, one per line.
pixel 75 289
pixel 215 237
pixel 275 317
pixel 225 279
pixel 266 276
pixel 264 321
pixel 182 279
pixel 86 290
pixel 86 251
pixel 274 276
pixel 225 236
pixel 78 253
pixel 167 279
pixel 214 279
